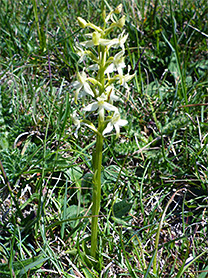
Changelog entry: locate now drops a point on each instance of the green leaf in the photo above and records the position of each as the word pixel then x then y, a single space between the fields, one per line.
pixel 22 267
pixel 121 208
pixel 75 173
pixel 204 273
pixel 36 263
pixel 111 173
pixel 72 212
pixel 120 221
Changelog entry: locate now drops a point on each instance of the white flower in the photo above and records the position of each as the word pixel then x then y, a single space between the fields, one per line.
pixel 76 122
pixel 97 40
pixel 110 91
pixel 117 64
pixel 126 78
pixel 117 42
pixel 93 67
pixel 94 41
pixel 82 53
pixel 115 122
pixel 101 104
pixel 82 86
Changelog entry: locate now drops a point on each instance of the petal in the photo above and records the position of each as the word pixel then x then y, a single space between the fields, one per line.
pixel 76 95
pixel 115 98
pixel 114 43
pixel 87 43
pixel 91 107
pixel 88 89
pixel 102 98
pixel 81 77
pixel 119 55
pixel 101 113
pixel 106 42
pixel 76 133
pixel 108 106
pixel 120 63
pixel 110 68
pixel 93 67
pixel 76 84
pixel 120 71
pixel 127 77
pixel 122 122
pixel 117 128
pixel 122 40
pixel 108 128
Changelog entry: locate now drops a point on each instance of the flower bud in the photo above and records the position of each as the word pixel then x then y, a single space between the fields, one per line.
pixel 104 14
pixel 82 22
pixel 118 9
pixel 120 23
pixel 96 38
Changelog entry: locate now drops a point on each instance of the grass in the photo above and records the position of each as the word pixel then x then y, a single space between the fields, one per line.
pixel 154 181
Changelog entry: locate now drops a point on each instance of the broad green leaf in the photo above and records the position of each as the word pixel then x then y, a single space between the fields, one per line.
pixel 75 173
pixel 120 209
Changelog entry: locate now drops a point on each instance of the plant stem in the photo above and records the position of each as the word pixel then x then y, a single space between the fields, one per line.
pixel 97 164
pixel 97 161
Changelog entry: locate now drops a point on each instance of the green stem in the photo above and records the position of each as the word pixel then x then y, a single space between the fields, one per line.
pixel 96 197
pixel 97 160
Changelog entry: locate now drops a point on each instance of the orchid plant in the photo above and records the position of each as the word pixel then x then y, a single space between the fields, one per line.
pixel 98 86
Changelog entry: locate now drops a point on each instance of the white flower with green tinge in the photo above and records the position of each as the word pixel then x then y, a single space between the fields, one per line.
pixel 101 104
pixel 76 122
pixel 82 86
pixel 126 78
pixel 98 40
pixel 115 122
pixel 110 91
pixel 117 64
pixel 94 41
pixel 119 42
pixel 82 53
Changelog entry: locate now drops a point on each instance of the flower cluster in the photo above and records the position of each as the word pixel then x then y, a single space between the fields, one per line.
pixel 107 70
